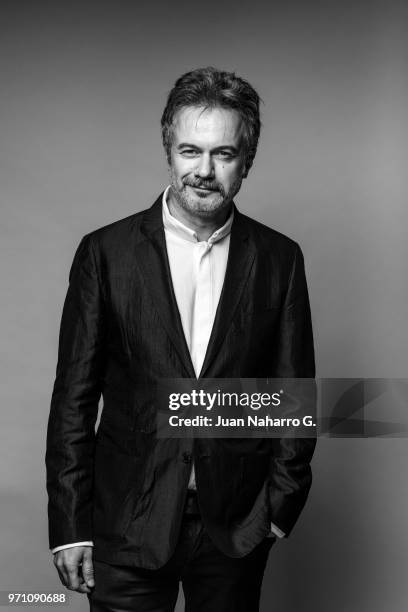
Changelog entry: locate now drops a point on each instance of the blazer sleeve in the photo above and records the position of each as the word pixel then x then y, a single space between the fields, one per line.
pixel 290 472
pixel 74 403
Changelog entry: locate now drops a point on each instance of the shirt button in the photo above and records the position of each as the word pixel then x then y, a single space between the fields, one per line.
pixel 186 457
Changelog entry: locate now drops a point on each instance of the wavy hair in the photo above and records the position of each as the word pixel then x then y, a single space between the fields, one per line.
pixel 209 87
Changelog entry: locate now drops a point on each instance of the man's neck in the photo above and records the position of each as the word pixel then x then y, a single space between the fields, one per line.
pixel 203 226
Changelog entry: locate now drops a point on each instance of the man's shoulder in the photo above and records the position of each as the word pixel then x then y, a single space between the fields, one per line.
pixel 119 226
pixel 117 232
pixel 269 238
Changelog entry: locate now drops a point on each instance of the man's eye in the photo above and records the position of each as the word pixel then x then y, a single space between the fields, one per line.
pixel 189 152
pixel 226 155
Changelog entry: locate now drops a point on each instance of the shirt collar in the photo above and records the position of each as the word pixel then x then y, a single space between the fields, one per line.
pixel 175 226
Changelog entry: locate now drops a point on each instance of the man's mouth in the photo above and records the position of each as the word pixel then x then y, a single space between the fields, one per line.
pixel 202 188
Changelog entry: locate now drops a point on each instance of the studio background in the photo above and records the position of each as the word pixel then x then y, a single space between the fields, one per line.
pixel 82 91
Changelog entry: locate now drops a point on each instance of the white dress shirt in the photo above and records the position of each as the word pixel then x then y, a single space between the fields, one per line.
pixel 197 272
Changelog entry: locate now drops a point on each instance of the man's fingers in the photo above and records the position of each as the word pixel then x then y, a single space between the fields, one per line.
pixel 83 588
pixel 87 569
pixel 73 577
pixel 62 573
pixel 75 568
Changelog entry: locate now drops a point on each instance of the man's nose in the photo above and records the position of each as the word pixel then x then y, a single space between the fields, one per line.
pixel 205 167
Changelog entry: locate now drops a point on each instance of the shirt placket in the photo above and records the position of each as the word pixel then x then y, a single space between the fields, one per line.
pixel 202 312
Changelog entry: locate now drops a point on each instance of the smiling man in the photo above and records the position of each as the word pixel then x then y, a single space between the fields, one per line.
pixel 207 164
pixel 187 288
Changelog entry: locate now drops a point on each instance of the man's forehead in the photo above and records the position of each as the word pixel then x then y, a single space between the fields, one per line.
pixel 200 121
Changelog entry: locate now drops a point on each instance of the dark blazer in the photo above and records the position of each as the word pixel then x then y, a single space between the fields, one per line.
pixel 120 332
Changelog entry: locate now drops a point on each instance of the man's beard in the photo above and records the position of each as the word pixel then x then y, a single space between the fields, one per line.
pixel 206 204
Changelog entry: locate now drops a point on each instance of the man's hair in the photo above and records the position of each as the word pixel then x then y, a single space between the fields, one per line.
pixel 209 87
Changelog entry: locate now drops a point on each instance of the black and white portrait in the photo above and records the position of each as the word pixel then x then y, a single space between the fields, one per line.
pixel 202 191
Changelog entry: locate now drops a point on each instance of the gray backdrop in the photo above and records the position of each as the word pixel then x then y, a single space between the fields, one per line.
pixel 82 90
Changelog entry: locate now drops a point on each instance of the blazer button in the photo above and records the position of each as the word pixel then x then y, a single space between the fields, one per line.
pixel 186 457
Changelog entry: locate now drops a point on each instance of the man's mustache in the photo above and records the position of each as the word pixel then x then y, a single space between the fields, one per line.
pixel 203 184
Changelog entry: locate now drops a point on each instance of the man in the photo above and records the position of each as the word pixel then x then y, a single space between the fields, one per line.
pixel 187 288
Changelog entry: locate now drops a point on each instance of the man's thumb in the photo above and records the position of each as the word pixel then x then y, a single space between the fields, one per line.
pixel 88 571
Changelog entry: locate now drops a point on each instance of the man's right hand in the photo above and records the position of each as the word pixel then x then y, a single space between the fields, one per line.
pixel 75 568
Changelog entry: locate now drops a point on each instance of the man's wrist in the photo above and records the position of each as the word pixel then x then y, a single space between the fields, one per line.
pixel 64 546
pixel 276 531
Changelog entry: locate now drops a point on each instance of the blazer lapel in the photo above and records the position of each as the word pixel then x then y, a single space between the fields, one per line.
pixel 152 260
pixel 240 260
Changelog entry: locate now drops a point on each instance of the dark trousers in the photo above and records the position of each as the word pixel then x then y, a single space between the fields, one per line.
pixel 212 582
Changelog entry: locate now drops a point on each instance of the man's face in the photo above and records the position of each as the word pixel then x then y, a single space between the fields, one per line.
pixel 207 159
